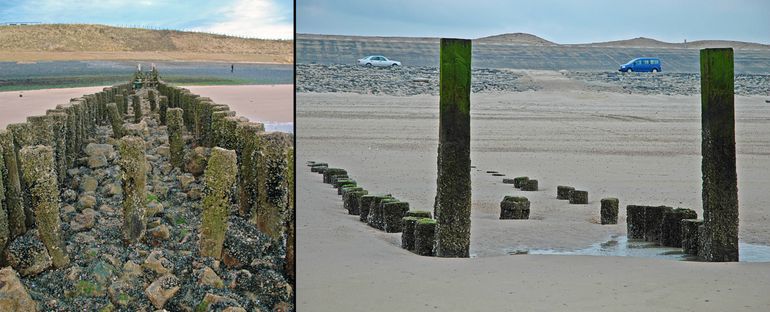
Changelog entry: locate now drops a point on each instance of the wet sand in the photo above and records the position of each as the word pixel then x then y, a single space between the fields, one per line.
pixel 643 149
pixel 263 103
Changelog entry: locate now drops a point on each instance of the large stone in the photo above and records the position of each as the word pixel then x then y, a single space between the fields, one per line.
pixel 106 150
pixel 210 278
pixel 196 160
pixel 162 289
pixel 83 221
pixel 28 255
pixel 88 184
pixel 13 294
pixel 244 244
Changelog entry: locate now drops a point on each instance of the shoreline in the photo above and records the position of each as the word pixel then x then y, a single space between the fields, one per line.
pixel 277 109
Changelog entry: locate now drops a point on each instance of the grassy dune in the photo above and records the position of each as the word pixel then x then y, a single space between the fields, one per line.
pixel 99 42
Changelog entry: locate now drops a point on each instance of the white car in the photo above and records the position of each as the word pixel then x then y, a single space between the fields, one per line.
pixel 378 60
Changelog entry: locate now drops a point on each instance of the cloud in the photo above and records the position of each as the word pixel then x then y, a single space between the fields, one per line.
pixel 268 19
pixel 252 18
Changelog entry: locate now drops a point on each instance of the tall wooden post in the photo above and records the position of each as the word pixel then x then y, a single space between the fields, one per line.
pixel 720 180
pixel 453 196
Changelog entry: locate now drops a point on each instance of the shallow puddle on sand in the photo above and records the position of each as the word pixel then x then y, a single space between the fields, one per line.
pixel 621 246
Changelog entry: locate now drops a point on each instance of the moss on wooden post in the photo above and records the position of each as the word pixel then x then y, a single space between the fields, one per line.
pixel 250 151
pixel 137 106
pixel 133 166
pixel 452 207
pixel 115 120
pixel 119 102
pixel 291 217
pixel 153 100
pixel 175 141
pixel 13 200
pixel 219 179
pixel 39 174
pixel 162 108
pixel 58 119
pixel 720 186
pixel 5 231
pixel 23 136
pixel 272 179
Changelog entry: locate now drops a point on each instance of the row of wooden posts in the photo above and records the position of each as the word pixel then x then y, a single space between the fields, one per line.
pixel 383 212
pixel 247 166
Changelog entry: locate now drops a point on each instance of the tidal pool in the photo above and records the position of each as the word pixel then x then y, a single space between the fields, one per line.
pixel 621 246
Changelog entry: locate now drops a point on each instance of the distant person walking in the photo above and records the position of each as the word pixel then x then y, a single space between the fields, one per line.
pixel 232 68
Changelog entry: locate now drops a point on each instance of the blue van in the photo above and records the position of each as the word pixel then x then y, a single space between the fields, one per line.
pixel 641 64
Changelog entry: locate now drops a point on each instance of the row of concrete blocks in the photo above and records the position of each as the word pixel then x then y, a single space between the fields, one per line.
pixel 62 132
pixel 383 212
pixel 663 225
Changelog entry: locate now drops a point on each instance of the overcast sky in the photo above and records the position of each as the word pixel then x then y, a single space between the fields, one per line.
pixel 268 19
pixel 562 21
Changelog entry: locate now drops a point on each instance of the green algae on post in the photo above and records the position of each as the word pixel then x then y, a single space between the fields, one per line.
pixel 39 174
pixel 720 186
pixel 133 166
pixel 452 207
pixel 115 120
pixel 175 133
pixel 13 197
pixel 219 179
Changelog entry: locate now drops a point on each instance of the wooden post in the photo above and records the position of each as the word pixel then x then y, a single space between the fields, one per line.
pixel 219 180
pixel 133 166
pixel 39 174
pixel 175 131
pixel 720 186
pixel 452 207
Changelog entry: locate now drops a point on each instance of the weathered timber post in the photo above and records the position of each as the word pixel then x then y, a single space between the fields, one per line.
pixel 39 173
pixel 452 207
pixel 153 100
pixel 163 106
pixel 219 179
pixel 13 197
pixel 133 166
pixel 5 230
pixel 137 108
pixel 175 141
pixel 58 119
pixel 23 135
pixel 116 120
pixel 250 149
pixel 291 218
pixel 119 102
pixel 272 180
pixel 720 186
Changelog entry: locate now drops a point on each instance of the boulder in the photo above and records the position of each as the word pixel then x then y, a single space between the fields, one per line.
pixel 13 295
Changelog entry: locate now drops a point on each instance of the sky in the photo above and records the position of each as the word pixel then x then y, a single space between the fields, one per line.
pixel 265 19
pixel 561 21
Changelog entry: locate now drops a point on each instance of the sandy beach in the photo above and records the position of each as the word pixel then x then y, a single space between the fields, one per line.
pixel 641 148
pixel 264 103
